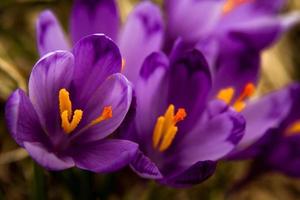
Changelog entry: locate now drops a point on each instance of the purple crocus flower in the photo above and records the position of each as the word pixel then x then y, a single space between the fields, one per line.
pixel 141 34
pixel 76 100
pixel 230 33
pixel 278 149
pixel 180 134
pixel 261 114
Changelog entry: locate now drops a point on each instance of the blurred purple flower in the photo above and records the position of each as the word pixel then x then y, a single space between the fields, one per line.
pixel 141 34
pixel 180 134
pixel 255 21
pixel 279 148
pixel 76 99
pixel 230 33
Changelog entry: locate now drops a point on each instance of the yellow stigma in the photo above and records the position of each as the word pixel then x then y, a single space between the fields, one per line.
pixel 232 4
pixel 165 128
pixel 227 94
pixel 65 103
pixel 70 120
pixel 293 129
pixel 68 126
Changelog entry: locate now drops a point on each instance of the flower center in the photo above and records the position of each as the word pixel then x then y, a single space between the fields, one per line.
pixel 232 4
pixel 227 94
pixel 165 128
pixel 70 120
pixel 293 129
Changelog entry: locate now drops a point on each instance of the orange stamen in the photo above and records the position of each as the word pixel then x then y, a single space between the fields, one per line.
pixel 248 91
pixel 293 129
pixel 123 65
pixel 106 114
pixel 180 115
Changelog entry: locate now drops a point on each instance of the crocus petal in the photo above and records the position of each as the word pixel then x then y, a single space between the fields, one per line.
pixel 142 34
pixel 191 19
pixel 115 92
pixel 96 58
pixel 150 90
pixel 144 167
pixel 259 7
pixel 237 72
pixel 51 73
pixel 22 120
pixel 47 159
pixel 50 36
pixel 105 155
pixel 262 32
pixel 263 114
pixel 215 135
pixel 193 175
pixel 268 6
pixel 90 17
pixel 189 77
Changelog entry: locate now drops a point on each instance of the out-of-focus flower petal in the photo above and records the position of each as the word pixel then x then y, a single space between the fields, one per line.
pixel 50 36
pixel 142 35
pixel 264 113
pixel 94 16
pixel 237 72
pixel 191 19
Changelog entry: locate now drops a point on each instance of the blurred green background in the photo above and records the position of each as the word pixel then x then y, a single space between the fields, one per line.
pixel 20 178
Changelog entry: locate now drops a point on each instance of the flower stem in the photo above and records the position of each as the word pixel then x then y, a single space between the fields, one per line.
pixel 38 184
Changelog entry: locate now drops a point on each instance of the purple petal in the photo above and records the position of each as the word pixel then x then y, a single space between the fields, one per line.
pixel 94 16
pixel 50 36
pixel 257 22
pixel 215 135
pixel 192 19
pixel 96 58
pixel 193 175
pixel 22 120
pixel 105 155
pixel 262 32
pixel 263 7
pixel 269 6
pixel 116 92
pixel 237 72
pixel 142 35
pixel 189 77
pixel 263 114
pixel 151 92
pixel 47 159
pixel 144 167
pixel 51 73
